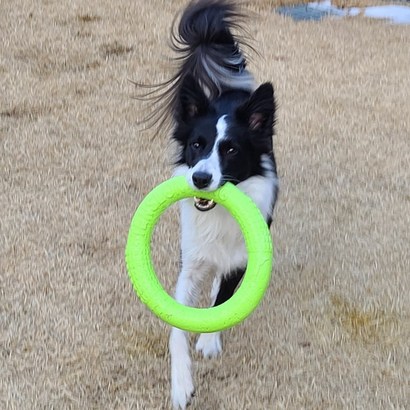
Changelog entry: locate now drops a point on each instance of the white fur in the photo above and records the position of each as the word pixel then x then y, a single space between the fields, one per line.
pixel 212 242
pixel 224 77
pixel 209 344
pixel 182 388
pixel 186 293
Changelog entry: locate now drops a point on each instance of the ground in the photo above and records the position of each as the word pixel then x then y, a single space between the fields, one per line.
pixel 333 330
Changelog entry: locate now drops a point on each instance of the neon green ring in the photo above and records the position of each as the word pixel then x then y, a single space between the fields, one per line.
pixel 149 289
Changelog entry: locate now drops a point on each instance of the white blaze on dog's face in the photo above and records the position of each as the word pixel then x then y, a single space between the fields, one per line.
pixel 207 174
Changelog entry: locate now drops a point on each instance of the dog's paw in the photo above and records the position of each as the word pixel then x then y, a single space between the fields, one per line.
pixel 182 387
pixel 182 395
pixel 209 344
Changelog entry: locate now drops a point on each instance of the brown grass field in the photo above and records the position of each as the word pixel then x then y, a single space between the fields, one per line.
pixel 333 330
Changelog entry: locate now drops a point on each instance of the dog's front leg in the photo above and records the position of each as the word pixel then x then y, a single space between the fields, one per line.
pixel 181 374
pixel 210 344
pixel 223 288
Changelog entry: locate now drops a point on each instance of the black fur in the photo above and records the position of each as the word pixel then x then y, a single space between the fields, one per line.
pixel 228 286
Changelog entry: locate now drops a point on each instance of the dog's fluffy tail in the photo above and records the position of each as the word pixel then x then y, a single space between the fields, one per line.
pixel 209 50
pixel 207 41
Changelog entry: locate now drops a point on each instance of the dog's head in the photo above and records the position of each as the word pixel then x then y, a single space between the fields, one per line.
pixel 222 140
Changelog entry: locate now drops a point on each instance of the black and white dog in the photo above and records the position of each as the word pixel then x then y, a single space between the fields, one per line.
pixel 223 126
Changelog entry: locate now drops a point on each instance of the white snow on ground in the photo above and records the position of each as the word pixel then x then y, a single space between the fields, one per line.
pixel 395 13
pixel 326 6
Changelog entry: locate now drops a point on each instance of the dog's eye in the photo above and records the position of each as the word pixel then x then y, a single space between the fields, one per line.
pixel 231 150
pixel 196 145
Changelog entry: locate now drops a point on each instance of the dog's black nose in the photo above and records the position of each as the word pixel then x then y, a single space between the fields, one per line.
pixel 201 179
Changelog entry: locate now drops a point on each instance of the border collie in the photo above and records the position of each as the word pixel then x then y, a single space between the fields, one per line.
pixel 223 126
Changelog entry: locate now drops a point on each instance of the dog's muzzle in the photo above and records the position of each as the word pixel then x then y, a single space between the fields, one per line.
pixel 204 204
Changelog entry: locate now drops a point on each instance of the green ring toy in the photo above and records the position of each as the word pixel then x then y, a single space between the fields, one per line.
pixel 149 289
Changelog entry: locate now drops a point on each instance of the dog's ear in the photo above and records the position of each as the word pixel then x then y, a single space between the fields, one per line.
pixel 192 100
pixel 259 111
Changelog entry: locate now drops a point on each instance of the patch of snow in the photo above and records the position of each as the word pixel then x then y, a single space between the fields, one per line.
pixel 326 7
pixel 396 14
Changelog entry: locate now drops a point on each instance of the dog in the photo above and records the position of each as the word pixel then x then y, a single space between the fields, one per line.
pixel 223 125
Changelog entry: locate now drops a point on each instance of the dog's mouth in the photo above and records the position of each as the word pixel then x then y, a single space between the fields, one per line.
pixel 204 204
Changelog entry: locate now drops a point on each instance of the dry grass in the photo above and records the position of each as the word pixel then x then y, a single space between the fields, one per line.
pixel 333 331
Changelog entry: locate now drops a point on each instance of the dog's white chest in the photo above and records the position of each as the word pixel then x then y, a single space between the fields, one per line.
pixel 213 237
